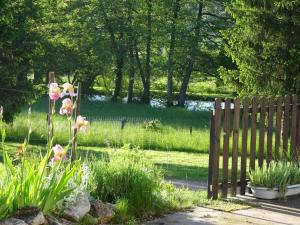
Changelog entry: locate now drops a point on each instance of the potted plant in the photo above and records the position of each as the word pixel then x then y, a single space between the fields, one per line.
pixel 278 180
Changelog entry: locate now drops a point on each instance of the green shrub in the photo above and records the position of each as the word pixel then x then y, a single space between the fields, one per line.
pixel 277 175
pixel 129 180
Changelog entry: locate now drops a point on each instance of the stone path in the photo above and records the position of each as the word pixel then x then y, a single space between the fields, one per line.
pixel 266 213
pixel 205 216
pixel 192 185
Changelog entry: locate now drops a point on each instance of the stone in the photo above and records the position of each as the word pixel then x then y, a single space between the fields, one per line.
pixel 78 210
pixel 32 216
pixel 103 211
pixel 52 220
pixel 13 221
pixel 38 219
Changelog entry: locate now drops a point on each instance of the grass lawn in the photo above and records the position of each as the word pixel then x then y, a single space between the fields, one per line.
pixel 105 128
pixel 175 165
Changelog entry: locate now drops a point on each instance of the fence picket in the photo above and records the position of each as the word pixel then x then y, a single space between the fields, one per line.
pixel 286 124
pixel 270 130
pixel 261 131
pixel 216 154
pixel 253 133
pixel 293 153
pixel 235 145
pixel 226 147
pixel 278 128
pixel 244 145
pixel 298 134
pixel 211 156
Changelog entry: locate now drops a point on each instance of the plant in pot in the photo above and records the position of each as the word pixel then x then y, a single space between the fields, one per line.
pixel 279 180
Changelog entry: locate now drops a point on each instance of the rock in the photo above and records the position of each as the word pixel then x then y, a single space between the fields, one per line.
pixel 54 221
pixel 32 216
pixel 103 211
pixel 13 221
pixel 78 210
pixel 38 219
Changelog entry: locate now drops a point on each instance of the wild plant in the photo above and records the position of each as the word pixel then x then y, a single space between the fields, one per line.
pixel 43 181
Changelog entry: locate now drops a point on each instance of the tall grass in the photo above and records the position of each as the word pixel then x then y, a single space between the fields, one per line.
pixel 105 127
pixel 128 178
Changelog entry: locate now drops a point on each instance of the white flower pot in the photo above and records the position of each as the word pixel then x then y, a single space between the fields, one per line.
pixel 267 193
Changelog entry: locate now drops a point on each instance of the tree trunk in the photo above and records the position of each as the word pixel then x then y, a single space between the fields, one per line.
pixel 118 77
pixel 131 37
pixel 185 82
pixel 146 93
pixel 131 76
pixel 190 58
pixel 176 9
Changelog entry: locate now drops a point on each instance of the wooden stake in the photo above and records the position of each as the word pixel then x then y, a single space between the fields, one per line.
pixel 77 113
pixel 50 112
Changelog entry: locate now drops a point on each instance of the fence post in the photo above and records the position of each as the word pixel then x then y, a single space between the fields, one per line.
pixel 216 148
pixel 50 112
pixel 293 151
pixel 261 144
pixel 77 113
pixel 235 145
pixel 270 130
pixel 298 133
pixel 211 154
pixel 286 127
pixel 226 136
pixel 253 133
pixel 244 145
pixel 278 128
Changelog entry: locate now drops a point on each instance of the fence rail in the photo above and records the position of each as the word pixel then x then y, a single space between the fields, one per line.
pixel 269 129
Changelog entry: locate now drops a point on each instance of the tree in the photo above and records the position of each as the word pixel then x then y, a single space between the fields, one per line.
pixel 17 44
pixel 176 9
pixel 264 42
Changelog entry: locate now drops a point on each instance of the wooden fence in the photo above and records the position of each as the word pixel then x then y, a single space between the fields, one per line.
pixel 269 130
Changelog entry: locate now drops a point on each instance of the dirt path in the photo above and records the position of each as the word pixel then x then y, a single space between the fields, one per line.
pixel 258 216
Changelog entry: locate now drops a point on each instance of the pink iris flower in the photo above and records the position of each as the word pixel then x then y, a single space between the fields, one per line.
pixel 68 88
pixel 54 92
pixel 67 107
pixel 81 123
pixel 59 153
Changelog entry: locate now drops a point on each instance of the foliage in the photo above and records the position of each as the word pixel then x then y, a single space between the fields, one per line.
pixel 152 125
pixel 277 175
pixel 32 184
pixel 264 43
pixel 128 179
pixel 105 127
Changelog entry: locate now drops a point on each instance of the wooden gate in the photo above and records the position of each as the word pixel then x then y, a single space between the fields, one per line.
pixel 269 129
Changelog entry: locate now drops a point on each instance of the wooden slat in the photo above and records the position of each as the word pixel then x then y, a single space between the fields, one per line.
pixel 286 125
pixel 270 130
pixel 253 133
pixel 278 128
pixel 298 135
pixel 293 154
pixel 244 145
pixel 226 148
pixel 261 131
pixel 236 119
pixel 211 155
pixel 217 131
pixel 267 108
